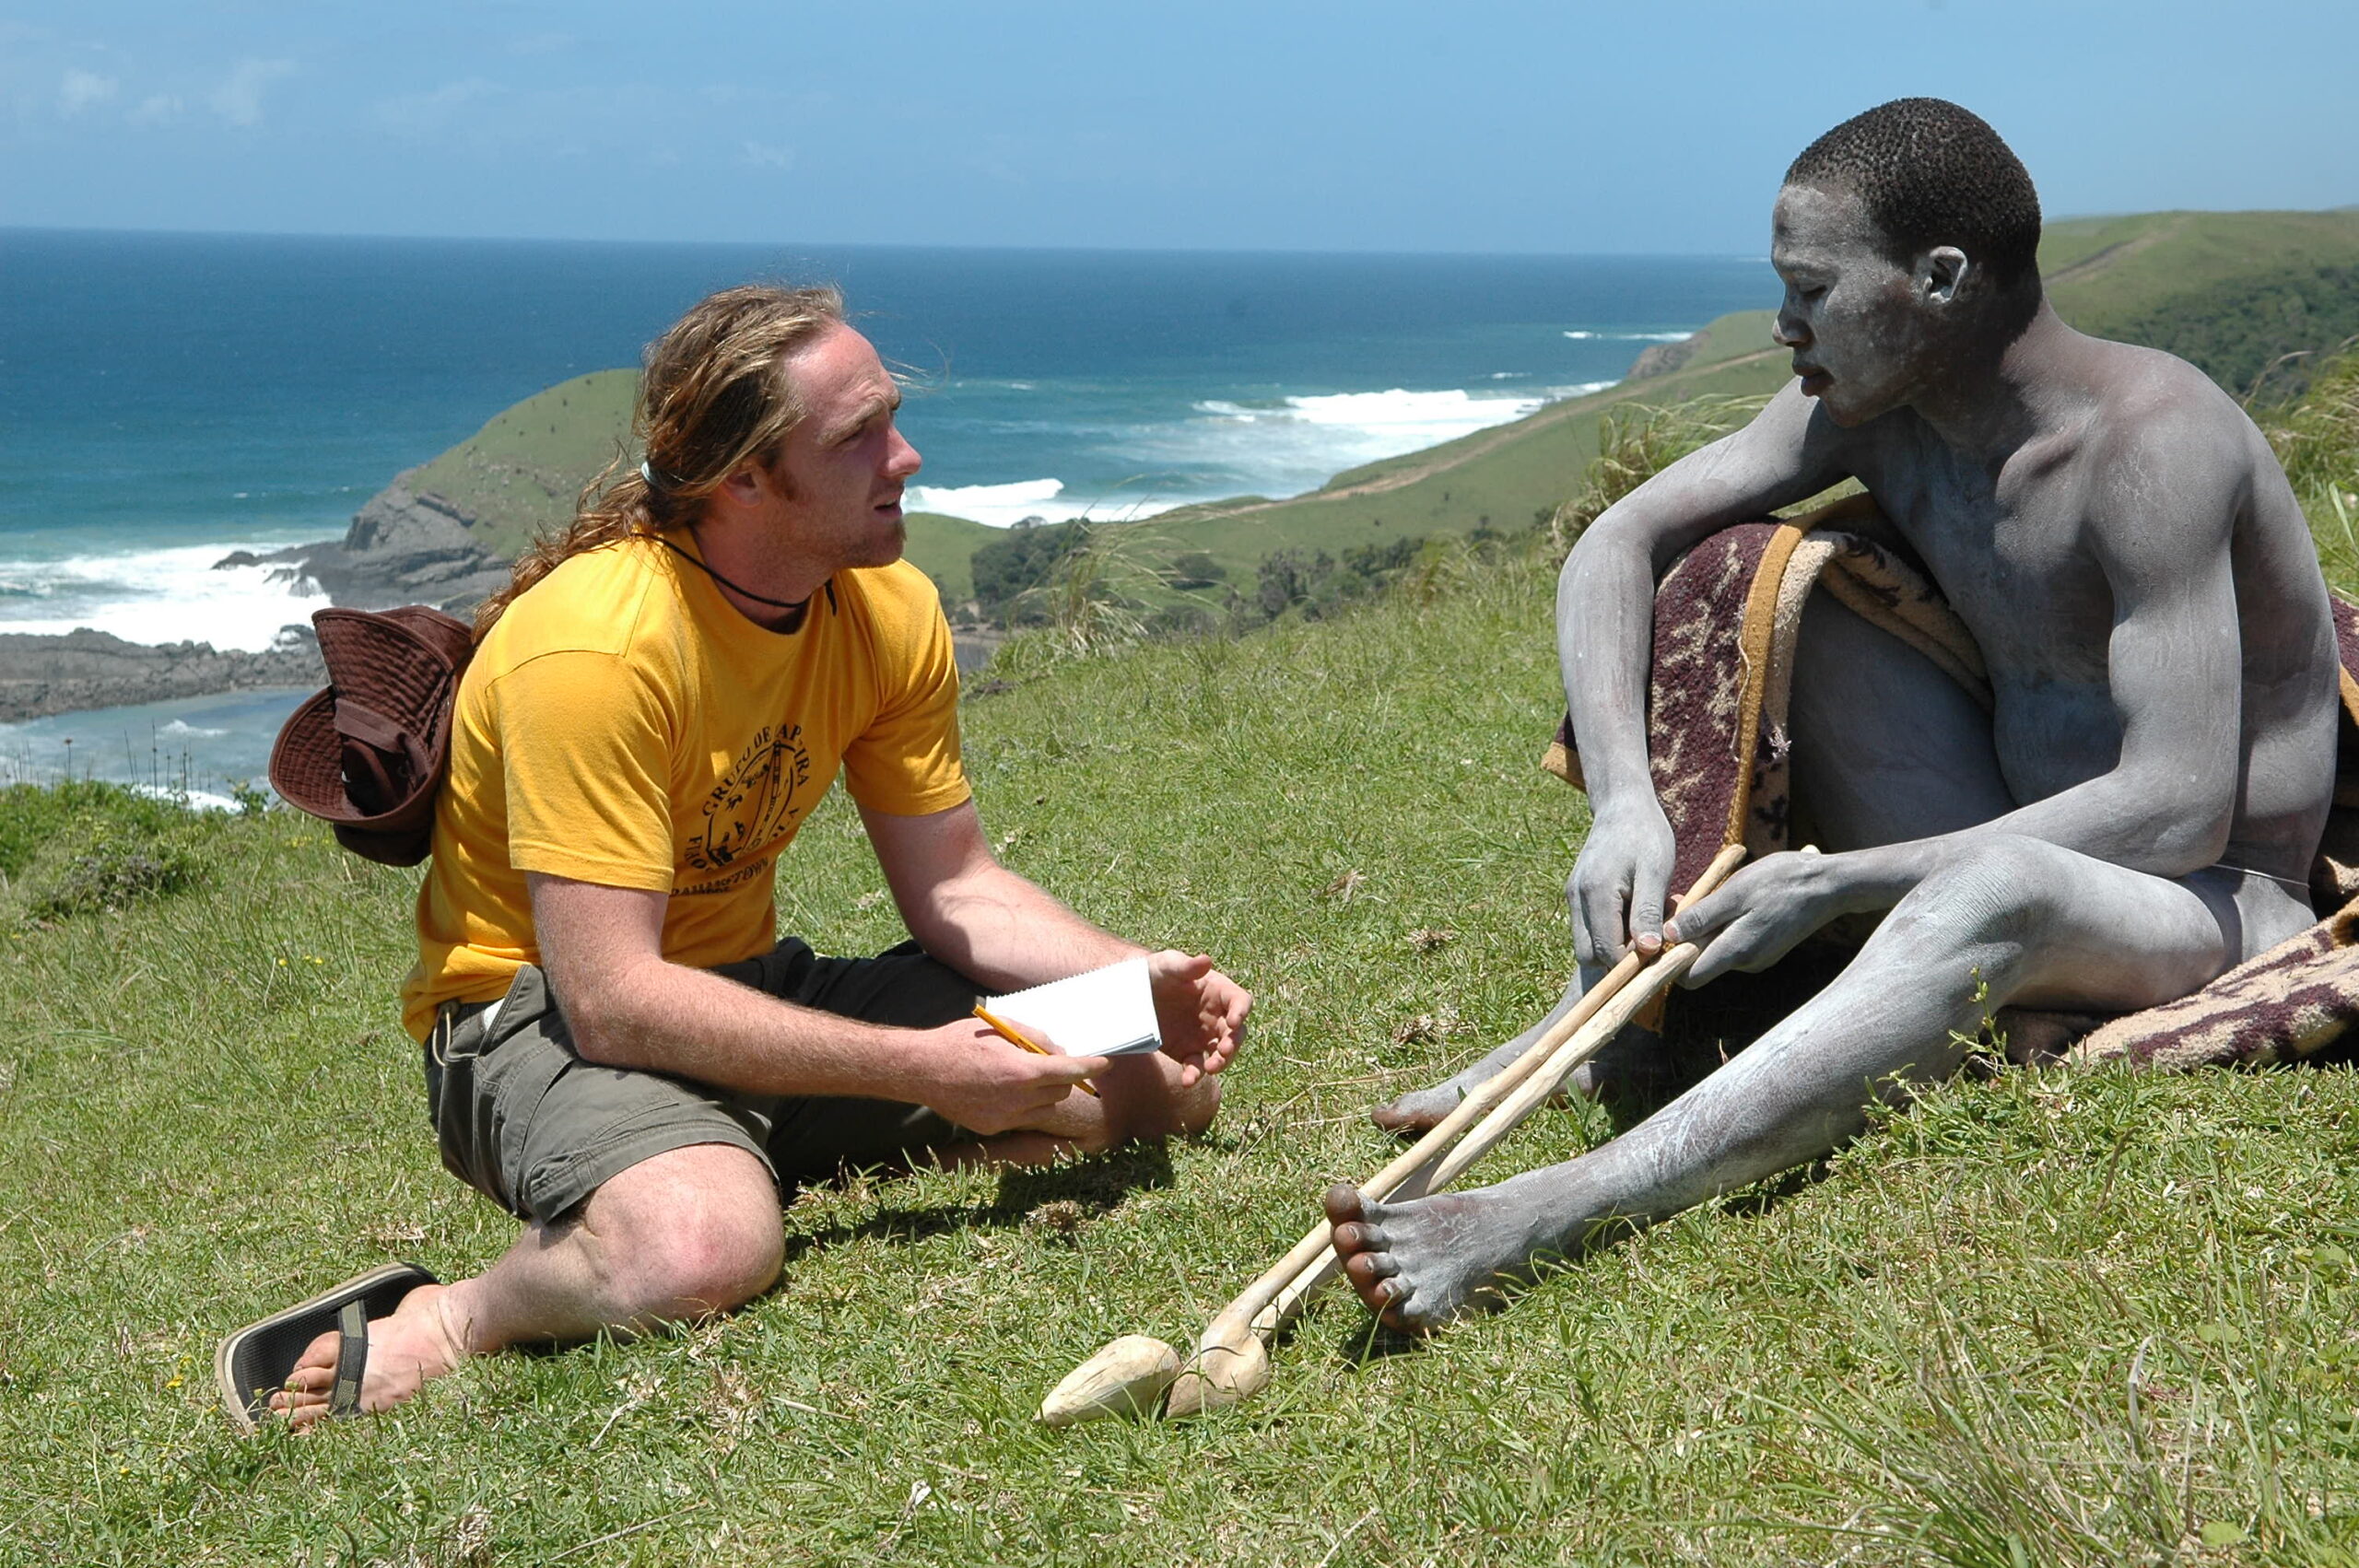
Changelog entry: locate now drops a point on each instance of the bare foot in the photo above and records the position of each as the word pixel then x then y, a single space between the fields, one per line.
pixel 1421 1110
pixel 1421 1263
pixel 1628 1057
pixel 416 1344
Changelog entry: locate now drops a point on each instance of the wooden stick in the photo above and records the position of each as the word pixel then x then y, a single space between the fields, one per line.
pixel 1531 1091
pixel 1496 1106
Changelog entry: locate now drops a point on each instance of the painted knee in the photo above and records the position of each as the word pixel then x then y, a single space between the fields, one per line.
pixel 1991 896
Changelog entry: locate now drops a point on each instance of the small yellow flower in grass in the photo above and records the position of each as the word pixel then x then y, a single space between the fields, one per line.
pixel 282 963
pixel 174 1381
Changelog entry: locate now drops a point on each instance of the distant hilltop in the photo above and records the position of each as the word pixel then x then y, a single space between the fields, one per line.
pixel 2247 297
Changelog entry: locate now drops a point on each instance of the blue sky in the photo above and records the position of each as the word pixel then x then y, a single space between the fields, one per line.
pixel 1369 126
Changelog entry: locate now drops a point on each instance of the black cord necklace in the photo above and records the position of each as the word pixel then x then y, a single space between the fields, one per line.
pixel 797 604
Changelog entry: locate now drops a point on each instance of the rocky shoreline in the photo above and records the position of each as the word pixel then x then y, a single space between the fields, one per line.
pixel 403 549
pixel 405 546
pixel 86 668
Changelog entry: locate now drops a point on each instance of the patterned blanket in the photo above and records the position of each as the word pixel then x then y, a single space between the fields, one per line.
pixel 1727 615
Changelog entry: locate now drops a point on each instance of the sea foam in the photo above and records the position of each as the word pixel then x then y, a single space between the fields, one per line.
pixel 1004 506
pixel 1228 447
pixel 1298 443
pixel 167 595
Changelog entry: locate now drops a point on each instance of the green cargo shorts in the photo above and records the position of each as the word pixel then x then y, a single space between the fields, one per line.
pixel 521 1119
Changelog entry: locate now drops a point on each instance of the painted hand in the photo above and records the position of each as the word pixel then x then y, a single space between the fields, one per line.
pixel 1619 884
pixel 1201 1011
pixel 1756 917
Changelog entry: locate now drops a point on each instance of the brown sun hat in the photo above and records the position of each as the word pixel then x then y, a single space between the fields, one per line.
pixel 368 753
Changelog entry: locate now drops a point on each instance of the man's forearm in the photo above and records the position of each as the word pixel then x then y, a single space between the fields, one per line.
pixel 665 1017
pixel 2108 818
pixel 998 929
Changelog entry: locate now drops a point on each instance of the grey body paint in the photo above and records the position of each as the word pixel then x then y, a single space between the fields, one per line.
pixel 2136 816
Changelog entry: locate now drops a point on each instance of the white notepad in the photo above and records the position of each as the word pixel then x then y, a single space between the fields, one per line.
pixel 1108 1012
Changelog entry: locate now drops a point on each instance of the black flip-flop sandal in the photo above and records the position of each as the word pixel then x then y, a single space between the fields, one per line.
pixel 254 1363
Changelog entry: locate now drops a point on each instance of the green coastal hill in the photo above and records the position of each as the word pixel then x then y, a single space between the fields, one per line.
pixel 2232 292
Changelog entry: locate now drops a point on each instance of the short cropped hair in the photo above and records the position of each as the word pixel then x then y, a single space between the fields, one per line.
pixel 1932 174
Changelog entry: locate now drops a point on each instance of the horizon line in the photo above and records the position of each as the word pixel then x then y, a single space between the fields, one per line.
pixel 192 233
pixel 1014 248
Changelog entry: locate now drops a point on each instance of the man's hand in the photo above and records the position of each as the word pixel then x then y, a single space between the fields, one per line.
pixel 1620 882
pixel 987 1085
pixel 1757 916
pixel 1201 1011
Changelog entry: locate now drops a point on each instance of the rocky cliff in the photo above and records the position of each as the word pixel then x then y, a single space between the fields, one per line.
pixel 405 547
pixel 1662 358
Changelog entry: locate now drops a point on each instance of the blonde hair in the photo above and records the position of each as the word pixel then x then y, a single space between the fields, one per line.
pixel 713 396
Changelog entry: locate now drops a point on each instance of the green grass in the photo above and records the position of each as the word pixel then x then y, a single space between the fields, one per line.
pixel 2039 1320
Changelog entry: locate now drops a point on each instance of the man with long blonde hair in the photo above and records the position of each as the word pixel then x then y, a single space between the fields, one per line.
pixel 618 1049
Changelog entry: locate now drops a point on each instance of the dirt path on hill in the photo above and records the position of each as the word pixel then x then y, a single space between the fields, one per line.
pixel 2121 249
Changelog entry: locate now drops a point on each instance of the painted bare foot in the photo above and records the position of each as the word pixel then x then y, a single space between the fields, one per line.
pixel 416 1344
pixel 1419 1264
pixel 1421 1110
pixel 1623 1071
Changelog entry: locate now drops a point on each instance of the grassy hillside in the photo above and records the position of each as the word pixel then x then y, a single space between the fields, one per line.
pixel 943 546
pixel 2038 1320
pixel 522 471
pixel 2228 292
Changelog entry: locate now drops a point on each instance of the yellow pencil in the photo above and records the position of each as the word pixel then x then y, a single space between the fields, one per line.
pixel 1007 1032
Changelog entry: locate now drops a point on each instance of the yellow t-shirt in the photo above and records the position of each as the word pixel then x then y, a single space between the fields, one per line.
pixel 623 724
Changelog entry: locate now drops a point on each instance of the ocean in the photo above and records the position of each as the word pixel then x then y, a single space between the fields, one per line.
pixel 166 399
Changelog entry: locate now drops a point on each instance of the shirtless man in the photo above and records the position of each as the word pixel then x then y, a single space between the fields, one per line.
pixel 2136 816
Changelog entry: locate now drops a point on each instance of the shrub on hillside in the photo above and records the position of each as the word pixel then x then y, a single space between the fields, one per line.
pixel 1196 569
pixel 1636 442
pixel 1318 584
pixel 2258 333
pixel 1024 560
pixel 73 847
